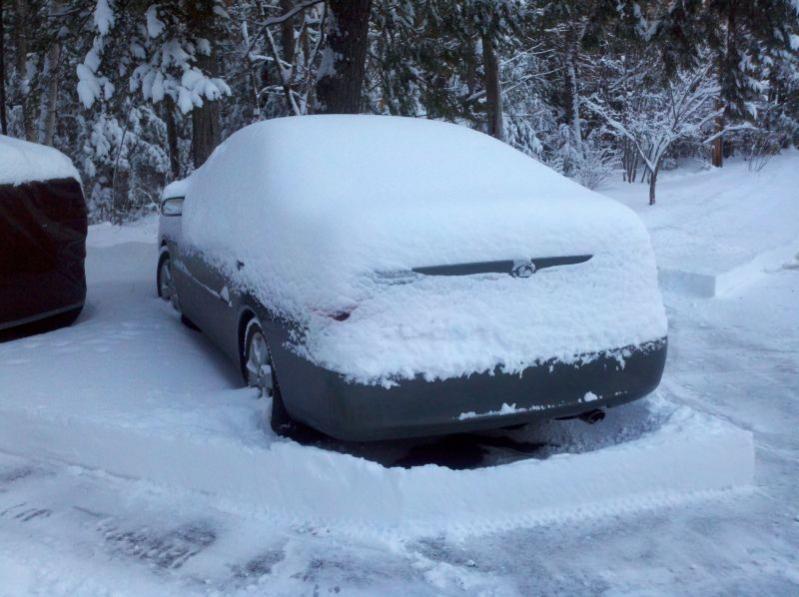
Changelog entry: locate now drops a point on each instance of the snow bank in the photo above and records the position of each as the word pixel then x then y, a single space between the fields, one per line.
pixel 708 225
pixel 317 207
pixel 21 161
pixel 725 283
pixel 666 454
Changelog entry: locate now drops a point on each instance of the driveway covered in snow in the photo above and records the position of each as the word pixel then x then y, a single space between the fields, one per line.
pixel 132 461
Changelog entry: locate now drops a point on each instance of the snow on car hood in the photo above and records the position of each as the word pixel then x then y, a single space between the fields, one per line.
pixel 315 206
pixel 22 161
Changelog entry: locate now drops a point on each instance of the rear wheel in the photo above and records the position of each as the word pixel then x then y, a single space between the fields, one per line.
pixel 258 361
pixel 259 373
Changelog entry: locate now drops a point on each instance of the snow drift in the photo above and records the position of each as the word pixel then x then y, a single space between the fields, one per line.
pixel 317 208
pixel 668 454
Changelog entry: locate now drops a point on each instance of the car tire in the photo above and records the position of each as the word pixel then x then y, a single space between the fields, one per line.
pixel 259 372
pixel 165 284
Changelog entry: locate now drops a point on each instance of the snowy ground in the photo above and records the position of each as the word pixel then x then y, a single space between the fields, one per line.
pixel 716 231
pixel 130 463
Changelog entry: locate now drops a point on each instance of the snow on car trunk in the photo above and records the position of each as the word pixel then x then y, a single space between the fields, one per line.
pixel 322 210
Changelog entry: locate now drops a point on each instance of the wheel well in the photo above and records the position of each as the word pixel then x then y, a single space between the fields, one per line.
pixel 245 318
pixel 164 254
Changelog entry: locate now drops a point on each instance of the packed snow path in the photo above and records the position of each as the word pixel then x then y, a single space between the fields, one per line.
pixel 70 530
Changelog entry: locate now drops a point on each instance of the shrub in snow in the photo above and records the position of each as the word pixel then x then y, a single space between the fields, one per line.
pixel 652 121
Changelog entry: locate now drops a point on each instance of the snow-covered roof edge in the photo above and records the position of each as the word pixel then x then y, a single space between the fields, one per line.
pixel 23 161
pixel 175 188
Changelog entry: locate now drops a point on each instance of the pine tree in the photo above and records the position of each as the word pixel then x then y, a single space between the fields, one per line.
pixel 749 39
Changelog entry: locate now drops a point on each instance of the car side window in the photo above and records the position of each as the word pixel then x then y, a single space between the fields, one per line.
pixel 172 206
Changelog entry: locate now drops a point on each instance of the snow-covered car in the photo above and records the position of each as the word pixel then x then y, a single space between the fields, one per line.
pixel 384 277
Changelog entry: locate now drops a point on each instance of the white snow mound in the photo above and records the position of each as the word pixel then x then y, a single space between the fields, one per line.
pixel 665 454
pixel 22 161
pixel 318 207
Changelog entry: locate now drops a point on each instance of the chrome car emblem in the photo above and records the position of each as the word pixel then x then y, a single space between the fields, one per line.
pixel 523 269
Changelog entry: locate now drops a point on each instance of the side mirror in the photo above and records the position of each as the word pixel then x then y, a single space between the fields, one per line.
pixel 172 206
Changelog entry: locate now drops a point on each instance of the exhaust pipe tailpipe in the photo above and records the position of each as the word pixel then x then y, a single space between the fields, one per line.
pixel 592 416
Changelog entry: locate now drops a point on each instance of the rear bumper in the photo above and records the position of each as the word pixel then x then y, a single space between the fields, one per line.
pixel 418 408
pixel 41 323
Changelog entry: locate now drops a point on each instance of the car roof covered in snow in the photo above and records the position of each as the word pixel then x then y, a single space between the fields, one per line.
pixel 369 162
pixel 22 161
pixel 360 177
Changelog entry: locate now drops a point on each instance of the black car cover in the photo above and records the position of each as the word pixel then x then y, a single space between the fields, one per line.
pixel 43 227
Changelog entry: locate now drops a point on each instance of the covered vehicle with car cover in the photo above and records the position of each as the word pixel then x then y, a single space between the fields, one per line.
pixel 388 277
pixel 43 225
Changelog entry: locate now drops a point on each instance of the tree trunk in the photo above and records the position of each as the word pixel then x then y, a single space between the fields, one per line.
pixel 653 179
pixel 573 88
pixel 21 31
pixel 3 117
pixel 205 125
pixel 205 121
pixel 717 153
pixel 172 138
pixel 287 42
pixel 340 79
pixel 50 106
pixel 630 161
pixel 287 32
pixel 205 131
pixel 718 145
pixel 493 89
pixel 724 68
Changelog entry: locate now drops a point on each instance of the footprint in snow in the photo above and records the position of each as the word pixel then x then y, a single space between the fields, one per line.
pixel 165 550
pixel 9 477
pixel 25 514
pixel 30 514
pixel 259 566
